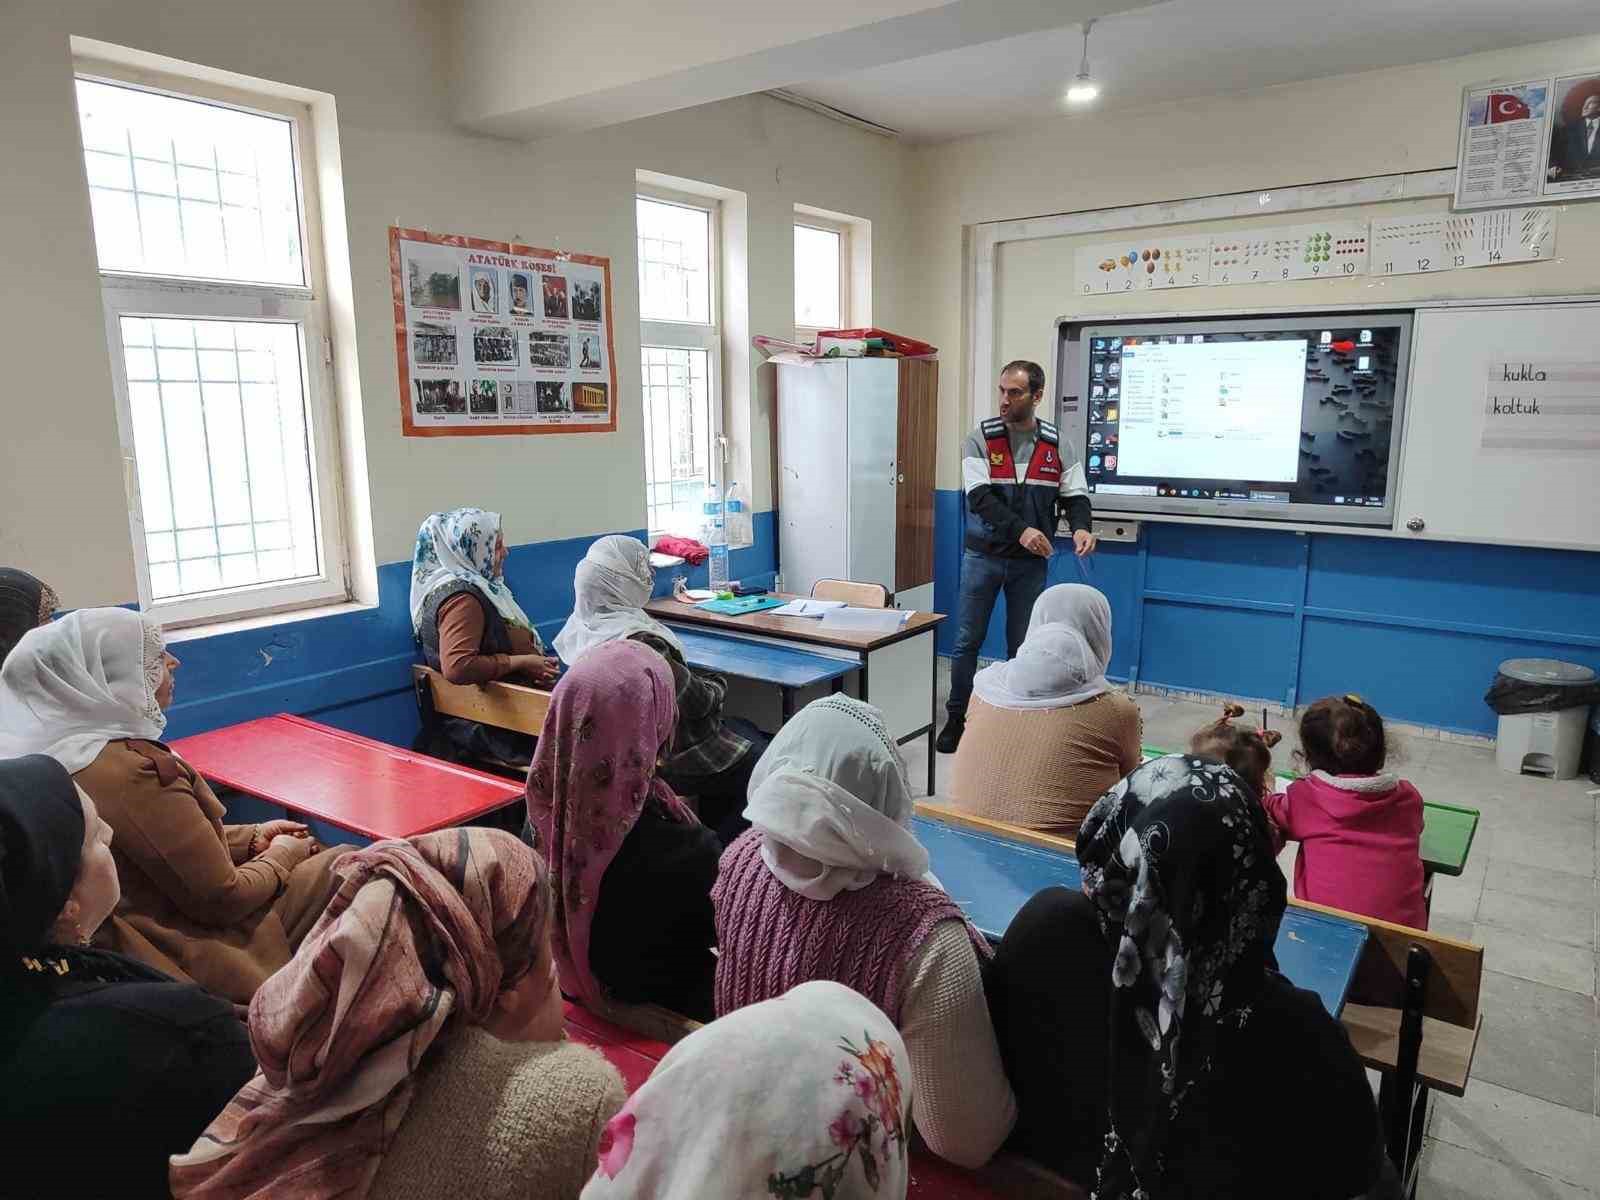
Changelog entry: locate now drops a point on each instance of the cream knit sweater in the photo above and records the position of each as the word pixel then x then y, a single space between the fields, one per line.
pixel 493 1120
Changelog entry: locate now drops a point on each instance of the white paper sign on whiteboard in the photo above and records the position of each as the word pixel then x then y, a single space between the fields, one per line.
pixel 1531 403
pixel 1145 263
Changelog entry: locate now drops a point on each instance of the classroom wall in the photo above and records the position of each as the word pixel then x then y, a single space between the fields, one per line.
pixel 386 65
pixel 1260 613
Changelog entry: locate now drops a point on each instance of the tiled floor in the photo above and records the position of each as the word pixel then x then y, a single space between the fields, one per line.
pixel 1528 1127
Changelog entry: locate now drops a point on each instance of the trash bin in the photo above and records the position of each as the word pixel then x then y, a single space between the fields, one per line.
pixel 1544 714
pixel 1594 745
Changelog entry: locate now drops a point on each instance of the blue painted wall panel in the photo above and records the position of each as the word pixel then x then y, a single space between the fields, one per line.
pixel 353 670
pixel 1557 591
pixel 1241 653
pixel 1242 564
pixel 1432 677
pixel 1419 627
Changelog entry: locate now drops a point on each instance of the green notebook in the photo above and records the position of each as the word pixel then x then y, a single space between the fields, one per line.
pixel 740 605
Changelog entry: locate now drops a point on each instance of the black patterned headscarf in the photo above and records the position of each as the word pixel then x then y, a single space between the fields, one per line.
pixel 1178 861
pixel 25 603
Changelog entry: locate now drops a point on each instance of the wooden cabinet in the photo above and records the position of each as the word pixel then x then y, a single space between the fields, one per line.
pixel 857 442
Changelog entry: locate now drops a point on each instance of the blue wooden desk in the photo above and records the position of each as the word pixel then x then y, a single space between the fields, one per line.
pixel 786 668
pixel 991 878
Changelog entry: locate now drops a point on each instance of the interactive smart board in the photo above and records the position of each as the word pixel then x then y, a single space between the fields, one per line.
pixel 1295 418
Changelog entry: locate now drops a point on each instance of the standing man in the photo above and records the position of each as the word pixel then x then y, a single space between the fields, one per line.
pixel 1017 479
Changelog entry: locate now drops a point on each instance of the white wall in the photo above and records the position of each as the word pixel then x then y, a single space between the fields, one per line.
pixel 1345 127
pixel 385 62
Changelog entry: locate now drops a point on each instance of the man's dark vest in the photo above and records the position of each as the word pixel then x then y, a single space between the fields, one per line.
pixel 1033 500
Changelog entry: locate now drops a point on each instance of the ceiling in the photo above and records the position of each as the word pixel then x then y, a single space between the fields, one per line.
pixel 1186 49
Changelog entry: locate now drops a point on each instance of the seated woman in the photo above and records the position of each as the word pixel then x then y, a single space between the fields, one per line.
pixel 805 1095
pixel 25 603
pixel 413 1048
pixel 1046 735
pixel 632 867
pixel 92 1042
pixel 472 629
pixel 221 905
pixel 711 756
pixel 1227 1080
pixel 829 883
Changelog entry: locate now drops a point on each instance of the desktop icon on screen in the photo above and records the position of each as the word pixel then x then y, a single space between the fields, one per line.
pixel 1366 337
pixel 1327 337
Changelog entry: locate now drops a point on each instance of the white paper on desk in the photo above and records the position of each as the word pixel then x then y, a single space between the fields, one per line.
pixel 865 620
pixel 807 608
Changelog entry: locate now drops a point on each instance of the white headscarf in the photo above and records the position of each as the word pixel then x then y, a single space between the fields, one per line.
pixel 831 800
pixel 72 686
pixel 459 545
pixel 612 585
pixel 812 1088
pixel 1064 657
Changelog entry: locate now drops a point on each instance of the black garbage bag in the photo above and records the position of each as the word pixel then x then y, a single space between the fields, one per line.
pixel 1512 697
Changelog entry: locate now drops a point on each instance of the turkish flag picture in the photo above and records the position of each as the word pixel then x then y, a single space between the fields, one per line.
pixel 1503 106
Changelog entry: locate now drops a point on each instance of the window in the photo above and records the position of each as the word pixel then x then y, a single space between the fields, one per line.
pixel 821 278
pixel 209 273
pixel 681 354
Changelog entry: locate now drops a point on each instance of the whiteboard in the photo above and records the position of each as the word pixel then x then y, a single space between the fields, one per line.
pixel 1462 491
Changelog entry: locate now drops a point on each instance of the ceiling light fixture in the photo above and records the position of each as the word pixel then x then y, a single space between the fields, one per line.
pixel 1083 88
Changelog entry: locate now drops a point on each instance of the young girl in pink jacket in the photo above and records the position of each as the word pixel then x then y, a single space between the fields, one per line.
pixel 1359 826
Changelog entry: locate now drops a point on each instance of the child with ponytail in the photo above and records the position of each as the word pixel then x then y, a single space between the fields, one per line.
pixel 1247 751
pixel 1359 826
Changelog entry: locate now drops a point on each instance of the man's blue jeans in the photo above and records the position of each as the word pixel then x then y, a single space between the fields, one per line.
pixel 982 578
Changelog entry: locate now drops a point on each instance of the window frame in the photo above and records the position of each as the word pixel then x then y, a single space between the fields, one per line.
pixel 305 306
pixel 844 230
pixel 689 335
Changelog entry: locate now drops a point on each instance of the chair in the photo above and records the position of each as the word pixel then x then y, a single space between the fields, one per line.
pixel 503 705
pixel 862 595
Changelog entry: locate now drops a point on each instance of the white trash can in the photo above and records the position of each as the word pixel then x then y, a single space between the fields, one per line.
pixel 1547 743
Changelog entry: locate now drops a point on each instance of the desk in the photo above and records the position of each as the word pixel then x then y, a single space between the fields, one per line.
pixel 1447 829
pixel 370 788
pixel 765 662
pixel 896 668
pixel 991 878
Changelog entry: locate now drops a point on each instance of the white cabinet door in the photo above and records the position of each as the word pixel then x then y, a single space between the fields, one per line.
pixel 873 419
pixel 812 484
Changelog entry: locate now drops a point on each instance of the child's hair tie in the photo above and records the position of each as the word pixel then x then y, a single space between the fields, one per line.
pixel 1352 698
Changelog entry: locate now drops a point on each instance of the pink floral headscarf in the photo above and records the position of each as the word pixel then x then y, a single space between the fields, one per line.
pixel 805 1095
pixel 340 1029
pixel 592 775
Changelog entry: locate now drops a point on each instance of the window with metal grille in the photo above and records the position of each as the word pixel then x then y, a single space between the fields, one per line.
pixel 205 232
pixel 680 353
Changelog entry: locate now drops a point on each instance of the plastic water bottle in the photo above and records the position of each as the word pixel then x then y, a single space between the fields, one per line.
pixel 718 567
pixel 713 521
pixel 715 535
pixel 738 525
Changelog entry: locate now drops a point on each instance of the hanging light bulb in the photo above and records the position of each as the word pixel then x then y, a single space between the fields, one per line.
pixel 1083 89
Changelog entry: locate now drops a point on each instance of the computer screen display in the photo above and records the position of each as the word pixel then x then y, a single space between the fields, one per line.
pixel 1292 419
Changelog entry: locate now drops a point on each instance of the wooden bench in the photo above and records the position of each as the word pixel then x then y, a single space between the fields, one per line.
pixel 503 705
pixel 623 1032
pixel 1420 1021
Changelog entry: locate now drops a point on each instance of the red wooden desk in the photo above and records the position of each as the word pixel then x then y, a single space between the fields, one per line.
pixel 367 787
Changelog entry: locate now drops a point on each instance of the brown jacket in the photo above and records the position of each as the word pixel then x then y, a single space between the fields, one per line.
pixel 195 904
pixel 1043 768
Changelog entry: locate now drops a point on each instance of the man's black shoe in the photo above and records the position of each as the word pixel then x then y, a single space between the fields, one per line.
pixel 950 735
